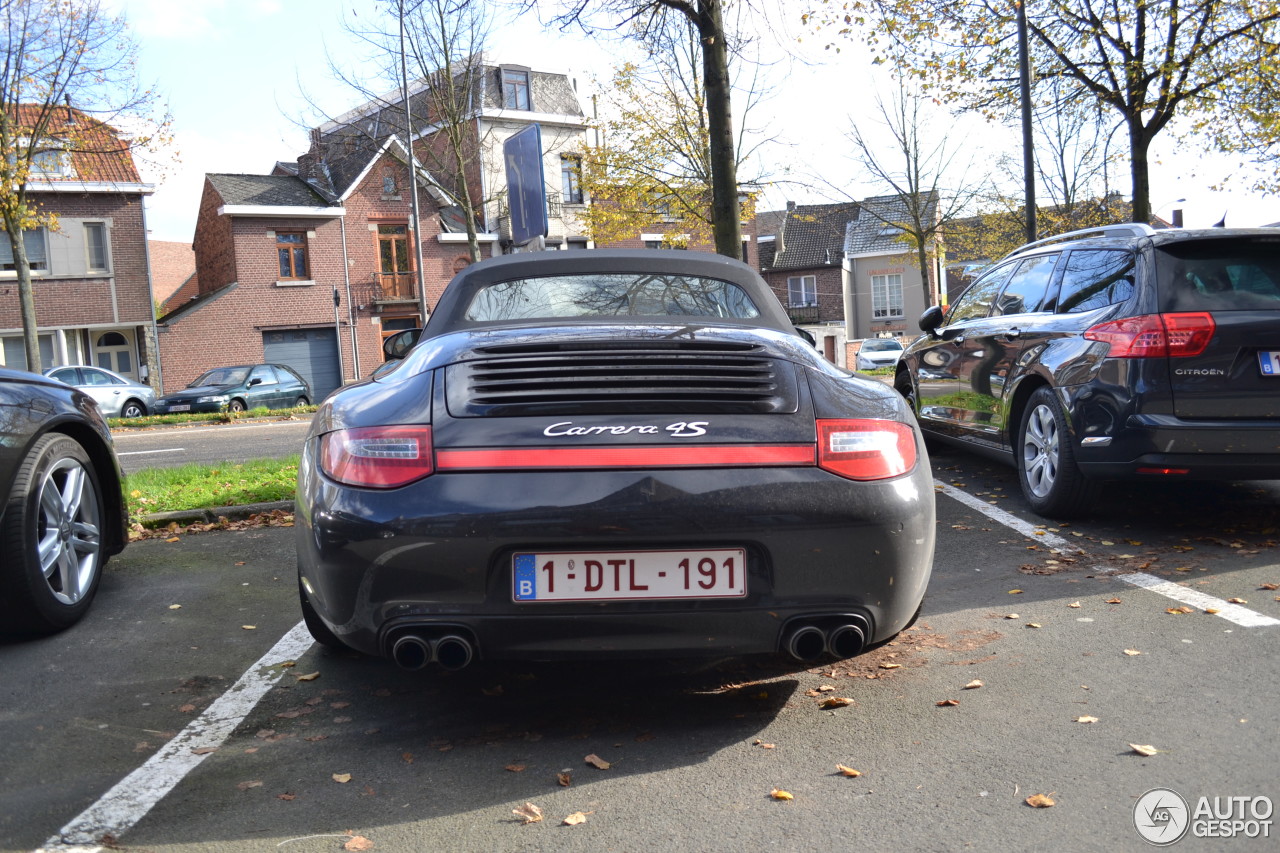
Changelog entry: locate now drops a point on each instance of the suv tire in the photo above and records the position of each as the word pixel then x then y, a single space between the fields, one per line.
pixel 1047 471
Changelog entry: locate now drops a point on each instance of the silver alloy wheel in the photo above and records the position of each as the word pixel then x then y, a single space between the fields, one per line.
pixel 132 409
pixel 68 531
pixel 1040 451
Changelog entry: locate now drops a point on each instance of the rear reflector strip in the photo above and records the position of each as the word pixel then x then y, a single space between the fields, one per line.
pixel 702 456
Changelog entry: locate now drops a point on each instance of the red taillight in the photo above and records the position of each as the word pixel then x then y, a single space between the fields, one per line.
pixel 377 457
pixel 866 449
pixel 1156 335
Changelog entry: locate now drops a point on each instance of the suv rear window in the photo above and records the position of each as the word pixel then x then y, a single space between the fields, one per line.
pixel 1095 278
pixel 1219 275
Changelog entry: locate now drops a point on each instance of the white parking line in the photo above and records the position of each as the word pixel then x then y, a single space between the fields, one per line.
pixel 142 452
pixel 1233 613
pixel 129 801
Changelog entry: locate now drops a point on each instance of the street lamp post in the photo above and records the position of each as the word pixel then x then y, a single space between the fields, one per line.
pixel 1028 151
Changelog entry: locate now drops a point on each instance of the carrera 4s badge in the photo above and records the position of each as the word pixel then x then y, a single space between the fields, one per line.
pixel 680 429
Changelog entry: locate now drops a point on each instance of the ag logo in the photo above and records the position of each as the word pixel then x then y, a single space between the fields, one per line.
pixel 1161 816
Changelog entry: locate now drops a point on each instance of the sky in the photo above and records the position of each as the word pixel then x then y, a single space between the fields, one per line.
pixel 234 73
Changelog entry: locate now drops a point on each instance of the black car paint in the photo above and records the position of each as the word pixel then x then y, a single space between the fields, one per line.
pixel 861 548
pixel 1134 402
pixel 32 406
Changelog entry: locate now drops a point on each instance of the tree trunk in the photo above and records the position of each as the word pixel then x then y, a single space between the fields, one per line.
pixel 1139 142
pixel 726 219
pixel 26 296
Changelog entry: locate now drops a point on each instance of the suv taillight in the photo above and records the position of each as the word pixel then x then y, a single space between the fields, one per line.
pixel 1156 335
pixel 377 457
pixel 865 449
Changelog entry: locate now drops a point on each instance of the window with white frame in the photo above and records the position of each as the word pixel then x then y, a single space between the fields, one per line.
pixel 886 296
pixel 49 160
pixel 570 174
pixel 95 246
pixel 802 291
pixel 36 245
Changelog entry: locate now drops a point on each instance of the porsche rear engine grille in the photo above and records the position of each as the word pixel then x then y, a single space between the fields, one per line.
pixel 621 380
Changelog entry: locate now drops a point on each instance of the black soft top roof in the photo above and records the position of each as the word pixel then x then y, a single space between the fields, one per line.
pixel 449 312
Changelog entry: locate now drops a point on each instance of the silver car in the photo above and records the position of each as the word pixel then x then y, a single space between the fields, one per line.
pixel 878 352
pixel 117 396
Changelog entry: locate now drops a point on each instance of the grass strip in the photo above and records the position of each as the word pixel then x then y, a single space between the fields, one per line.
pixel 210 486
pixel 299 412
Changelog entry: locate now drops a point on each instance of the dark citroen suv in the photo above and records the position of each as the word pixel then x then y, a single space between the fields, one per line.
pixel 1117 352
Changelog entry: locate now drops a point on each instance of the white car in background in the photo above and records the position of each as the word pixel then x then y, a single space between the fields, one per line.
pixel 117 396
pixel 878 352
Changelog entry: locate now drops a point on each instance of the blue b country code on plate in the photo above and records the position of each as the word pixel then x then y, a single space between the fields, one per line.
pixel 1269 361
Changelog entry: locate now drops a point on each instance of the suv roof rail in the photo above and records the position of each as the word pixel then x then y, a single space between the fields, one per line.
pixel 1124 229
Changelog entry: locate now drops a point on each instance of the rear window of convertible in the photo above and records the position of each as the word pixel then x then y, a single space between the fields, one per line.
pixel 611 295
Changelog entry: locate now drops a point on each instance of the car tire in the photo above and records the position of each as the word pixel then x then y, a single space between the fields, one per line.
pixel 1047 471
pixel 57 475
pixel 300 402
pixel 236 406
pixel 133 409
pixel 315 625
pixel 902 384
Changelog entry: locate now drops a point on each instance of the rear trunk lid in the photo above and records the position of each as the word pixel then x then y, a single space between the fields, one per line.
pixel 1236 281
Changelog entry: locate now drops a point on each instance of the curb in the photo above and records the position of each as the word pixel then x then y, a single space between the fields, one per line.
pixel 209 516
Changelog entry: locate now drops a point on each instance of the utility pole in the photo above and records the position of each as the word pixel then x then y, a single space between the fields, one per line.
pixel 1028 150
pixel 413 172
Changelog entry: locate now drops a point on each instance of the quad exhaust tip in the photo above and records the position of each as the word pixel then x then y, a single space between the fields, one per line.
pixel 413 651
pixel 807 642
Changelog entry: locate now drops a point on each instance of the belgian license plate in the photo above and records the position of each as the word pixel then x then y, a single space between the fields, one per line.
pixel 182 408
pixel 629 575
pixel 1269 361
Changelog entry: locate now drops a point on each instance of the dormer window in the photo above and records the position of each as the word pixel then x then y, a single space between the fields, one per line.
pixel 515 88
pixel 890 231
pixel 48 161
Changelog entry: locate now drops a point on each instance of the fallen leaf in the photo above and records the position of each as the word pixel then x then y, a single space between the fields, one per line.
pixel 175 606
pixel 1074 604
pixel 187 709
pixel 342 778
pixel 574 819
pixel 597 762
pixel 1113 601
pixel 564 778
pixel 1011 616
pixel 1212 611
pixel 1015 592
pixel 1132 652
pixel 204 750
pixel 287 796
pixel 358 842
pixel 826 688
pixel 762 744
pixel 1143 749
pixel 973 685
pixel 1086 719
pixel 249 627
pixel 528 813
pixel 1107 542
pixel 173 539
pixel 891 666
pixel 847 771
pixel 1270 586
pixel 1237 601
pixel 1178 611
pixel 310 676
pixel 1034 625
pixel 244 786
pixel 779 794
pixel 515 768
pixel 835 702
pixel 1040 801
pixel 239 562
pixel 407 757
pixel 948 703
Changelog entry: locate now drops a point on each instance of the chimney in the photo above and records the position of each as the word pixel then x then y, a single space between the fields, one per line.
pixel 1177 217
pixel 791 205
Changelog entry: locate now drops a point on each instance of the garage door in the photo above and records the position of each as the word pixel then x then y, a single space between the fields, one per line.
pixel 311 352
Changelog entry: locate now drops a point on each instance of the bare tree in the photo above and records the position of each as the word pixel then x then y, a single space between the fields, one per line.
pixel 60 54
pixel 914 168
pixel 707 17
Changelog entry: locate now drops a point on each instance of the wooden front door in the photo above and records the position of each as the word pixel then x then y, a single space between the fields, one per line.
pixel 395 266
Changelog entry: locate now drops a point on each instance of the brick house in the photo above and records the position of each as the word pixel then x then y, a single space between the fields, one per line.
pixel 90 275
pixel 173 273
pixel 843 272
pixel 314 264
